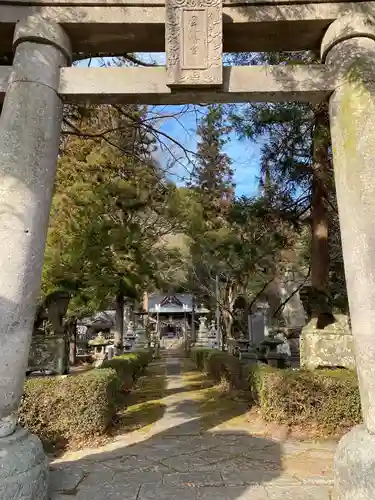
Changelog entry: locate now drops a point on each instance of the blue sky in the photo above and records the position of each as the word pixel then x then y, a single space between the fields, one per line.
pixel 244 154
pixel 180 123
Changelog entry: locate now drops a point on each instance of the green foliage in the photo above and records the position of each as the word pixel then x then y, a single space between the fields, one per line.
pixel 199 356
pixel 112 206
pixel 218 365
pixel 245 252
pixel 128 366
pixel 212 176
pixel 62 409
pixel 297 173
pixel 326 398
pixel 233 240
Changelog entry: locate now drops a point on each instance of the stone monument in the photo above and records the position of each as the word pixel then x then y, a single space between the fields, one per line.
pixel 129 337
pixel 329 347
pixel 46 355
pixel 257 328
pixel 205 337
pixel 141 340
pixel 213 335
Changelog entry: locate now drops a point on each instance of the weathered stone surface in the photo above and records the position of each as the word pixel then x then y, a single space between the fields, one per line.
pixel 326 348
pixel 352 117
pixel 298 493
pixel 196 478
pixel 23 467
pixel 347 27
pixel 233 493
pixel 108 491
pixel 349 47
pixel 46 352
pixel 193 43
pixel 310 465
pixel 167 492
pixel 307 83
pixel 144 477
pixel 66 479
pixel 354 466
pixel 29 142
pixel 125 26
pixel 248 472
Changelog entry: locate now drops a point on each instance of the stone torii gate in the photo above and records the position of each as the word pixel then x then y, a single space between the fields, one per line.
pixel 45 35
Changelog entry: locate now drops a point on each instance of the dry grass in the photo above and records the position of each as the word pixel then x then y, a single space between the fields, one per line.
pixel 143 406
pixel 218 403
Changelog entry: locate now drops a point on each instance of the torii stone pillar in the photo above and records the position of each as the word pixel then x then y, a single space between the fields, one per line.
pixel 349 46
pixel 30 127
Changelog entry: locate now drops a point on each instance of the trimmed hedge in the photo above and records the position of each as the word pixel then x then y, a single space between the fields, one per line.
pixel 326 398
pixel 60 409
pixel 218 365
pixel 79 406
pixel 128 366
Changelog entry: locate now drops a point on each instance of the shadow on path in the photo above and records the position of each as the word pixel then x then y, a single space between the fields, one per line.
pixel 179 459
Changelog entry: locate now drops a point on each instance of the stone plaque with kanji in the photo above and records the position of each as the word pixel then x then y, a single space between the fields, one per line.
pixel 193 42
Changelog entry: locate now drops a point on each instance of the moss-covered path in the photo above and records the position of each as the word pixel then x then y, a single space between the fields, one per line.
pixel 190 440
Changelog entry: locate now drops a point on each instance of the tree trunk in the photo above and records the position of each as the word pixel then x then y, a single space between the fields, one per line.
pixel 228 310
pixel 119 333
pixel 72 332
pixel 319 213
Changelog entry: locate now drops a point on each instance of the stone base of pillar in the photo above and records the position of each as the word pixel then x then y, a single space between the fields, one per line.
pixel 354 466
pixel 23 467
pixel 328 347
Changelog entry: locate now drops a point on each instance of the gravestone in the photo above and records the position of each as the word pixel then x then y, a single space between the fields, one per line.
pixel 293 312
pixel 213 335
pixel 257 328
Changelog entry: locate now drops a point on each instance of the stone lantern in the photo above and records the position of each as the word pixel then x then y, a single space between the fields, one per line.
pixel 99 344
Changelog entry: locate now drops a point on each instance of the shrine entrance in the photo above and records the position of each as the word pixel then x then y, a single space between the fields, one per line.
pixel 171 314
pixel 46 35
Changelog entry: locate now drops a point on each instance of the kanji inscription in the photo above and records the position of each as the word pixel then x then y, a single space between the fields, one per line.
pixel 194 43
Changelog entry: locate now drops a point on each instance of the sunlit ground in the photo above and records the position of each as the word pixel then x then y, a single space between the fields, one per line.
pixel 143 406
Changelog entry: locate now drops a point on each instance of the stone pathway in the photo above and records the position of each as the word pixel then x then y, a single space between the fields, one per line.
pixel 178 460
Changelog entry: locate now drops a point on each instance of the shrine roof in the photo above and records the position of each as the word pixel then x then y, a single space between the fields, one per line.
pixel 170 303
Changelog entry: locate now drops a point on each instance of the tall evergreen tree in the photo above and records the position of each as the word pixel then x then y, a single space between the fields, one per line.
pixel 212 175
pixel 110 210
pixel 233 241
pixel 296 165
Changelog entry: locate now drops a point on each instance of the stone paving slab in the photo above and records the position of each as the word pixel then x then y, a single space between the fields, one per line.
pixel 201 478
pixel 167 492
pixel 180 461
pixel 233 493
